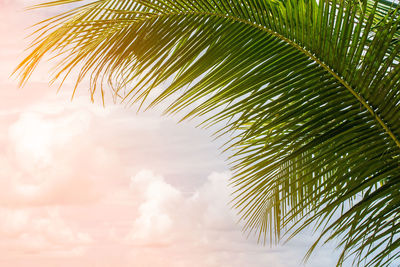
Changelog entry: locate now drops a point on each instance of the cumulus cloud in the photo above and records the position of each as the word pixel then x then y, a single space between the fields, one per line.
pixel 25 231
pixel 51 159
pixel 168 206
pixel 174 227
pixel 36 139
pixel 198 228
pixel 155 212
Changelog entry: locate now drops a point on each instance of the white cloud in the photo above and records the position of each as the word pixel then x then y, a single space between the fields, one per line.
pixel 172 227
pixel 159 199
pixel 50 158
pixel 177 228
pixel 23 231
pixel 36 139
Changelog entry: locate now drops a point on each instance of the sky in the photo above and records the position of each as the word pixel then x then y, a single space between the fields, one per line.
pixel 86 185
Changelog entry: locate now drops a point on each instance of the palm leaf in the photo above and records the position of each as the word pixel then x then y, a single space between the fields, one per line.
pixel 308 90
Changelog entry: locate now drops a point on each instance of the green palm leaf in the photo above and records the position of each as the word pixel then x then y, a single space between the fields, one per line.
pixel 308 90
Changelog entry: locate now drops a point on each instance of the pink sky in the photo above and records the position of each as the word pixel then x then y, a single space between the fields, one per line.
pixel 83 185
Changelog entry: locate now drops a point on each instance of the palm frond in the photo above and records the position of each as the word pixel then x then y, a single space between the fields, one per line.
pixel 309 90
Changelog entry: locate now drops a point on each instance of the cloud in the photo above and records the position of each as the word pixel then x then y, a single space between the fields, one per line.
pixel 165 205
pixel 50 159
pixel 174 227
pixel 159 199
pixel 198 228
pixel 25 231
pixel 36 139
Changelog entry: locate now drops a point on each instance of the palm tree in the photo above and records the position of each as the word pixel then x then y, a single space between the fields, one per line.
pixel 308 91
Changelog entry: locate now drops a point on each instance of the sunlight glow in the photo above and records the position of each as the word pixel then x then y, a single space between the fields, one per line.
pixel 34 139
